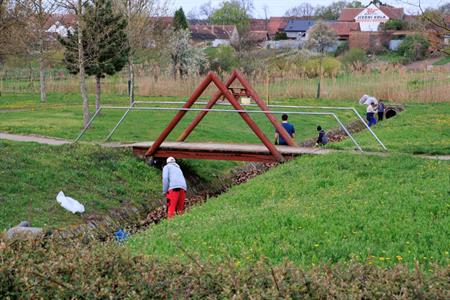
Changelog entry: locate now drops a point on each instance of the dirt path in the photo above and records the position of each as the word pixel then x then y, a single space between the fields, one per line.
pixel 427 64
pixel 33 138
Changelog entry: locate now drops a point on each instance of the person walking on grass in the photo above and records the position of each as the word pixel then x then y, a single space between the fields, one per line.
pixel 174 187
pixel 381 109
pixel 279 140
pixel 371 111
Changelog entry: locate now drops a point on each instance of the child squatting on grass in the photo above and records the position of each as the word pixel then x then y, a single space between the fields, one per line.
pixel 322 139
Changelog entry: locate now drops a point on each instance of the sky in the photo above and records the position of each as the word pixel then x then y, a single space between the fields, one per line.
pixel 279 7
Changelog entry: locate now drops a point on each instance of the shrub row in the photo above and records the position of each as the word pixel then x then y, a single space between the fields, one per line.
pixel 72 269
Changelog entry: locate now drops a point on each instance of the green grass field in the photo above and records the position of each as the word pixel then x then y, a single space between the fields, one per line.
pixel 443 61
pixel 31 176
pixel 315 210
pixel 65 121
pixel 420 129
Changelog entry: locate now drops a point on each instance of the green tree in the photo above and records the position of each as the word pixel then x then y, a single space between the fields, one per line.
pixel 222 58
pixel 393 25
pixel 231 13
pixel 413 47
pixel 235 12
pixel 104 41
pixel 280 35
pixel 180 20
pixel 332 11
pixel 355 4
pixel 355 57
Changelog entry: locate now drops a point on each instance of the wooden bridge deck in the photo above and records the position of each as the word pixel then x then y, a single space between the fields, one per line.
pixel 222 151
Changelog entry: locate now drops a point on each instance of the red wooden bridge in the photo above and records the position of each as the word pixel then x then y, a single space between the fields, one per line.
pixel 268 152
pixel 222 151
pixel 264 152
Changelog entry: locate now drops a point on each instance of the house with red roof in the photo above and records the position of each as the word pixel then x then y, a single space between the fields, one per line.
pixel 214 35
pixel 371 17
pixel 343 29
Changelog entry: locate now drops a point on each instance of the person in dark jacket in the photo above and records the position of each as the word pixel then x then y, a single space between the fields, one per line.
pixel 381 109
pixel 322 139
pixel 279 140
pixel 174 187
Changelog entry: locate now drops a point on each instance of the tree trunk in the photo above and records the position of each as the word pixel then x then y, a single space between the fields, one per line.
pixel 130 58
pixel 320 76
pixel 98 90
pixel 41 35
pixel 42 70
pixel 131 78
pixel 174 66
pixel 83 88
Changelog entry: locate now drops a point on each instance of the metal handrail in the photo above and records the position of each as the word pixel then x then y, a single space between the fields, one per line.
pixel 132 107
pixel 285 106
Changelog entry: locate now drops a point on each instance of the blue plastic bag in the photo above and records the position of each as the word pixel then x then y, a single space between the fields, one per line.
pixel 121 235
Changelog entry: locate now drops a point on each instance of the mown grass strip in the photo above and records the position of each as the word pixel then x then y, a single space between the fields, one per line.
pixel 314 210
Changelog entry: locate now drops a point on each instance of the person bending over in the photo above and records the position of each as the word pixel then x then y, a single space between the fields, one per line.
pixel 174 187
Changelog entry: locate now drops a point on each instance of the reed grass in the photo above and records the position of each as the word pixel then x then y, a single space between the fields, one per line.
pixel 396 84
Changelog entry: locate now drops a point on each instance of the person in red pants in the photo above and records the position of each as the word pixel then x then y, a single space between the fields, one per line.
pixel 174 187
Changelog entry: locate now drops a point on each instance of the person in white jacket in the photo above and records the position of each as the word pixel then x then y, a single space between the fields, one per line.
pixel 371 111
pixel 174 187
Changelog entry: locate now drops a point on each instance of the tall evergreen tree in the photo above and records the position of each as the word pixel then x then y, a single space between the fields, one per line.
pixel 179 20
pixel 105 43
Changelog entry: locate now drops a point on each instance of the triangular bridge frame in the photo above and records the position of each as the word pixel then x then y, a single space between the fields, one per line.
pixel 225 91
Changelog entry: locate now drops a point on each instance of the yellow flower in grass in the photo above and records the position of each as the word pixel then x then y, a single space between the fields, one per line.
pixel 399 258
pixel 381 258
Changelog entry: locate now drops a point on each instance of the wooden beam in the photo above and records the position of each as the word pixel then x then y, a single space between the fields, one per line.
pixel 273 150
pixel 202 114
pixel 180 114
pixel 252 157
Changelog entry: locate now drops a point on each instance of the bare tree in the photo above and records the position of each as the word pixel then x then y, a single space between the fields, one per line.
pixel 193 15
pixel 436 21
pixel 320 38
pixel 302 10
pixel 41 12
pixel 77 7
pixel 141 16
pixel 13 18
pixel 206 10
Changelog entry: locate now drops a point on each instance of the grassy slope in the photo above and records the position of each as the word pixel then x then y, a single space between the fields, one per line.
pixel 443 61
pixel 419 129
pixel 31 175
pixel 320 209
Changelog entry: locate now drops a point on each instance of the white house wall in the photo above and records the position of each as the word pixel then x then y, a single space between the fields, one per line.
pixel 219 42
pixel 371 18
